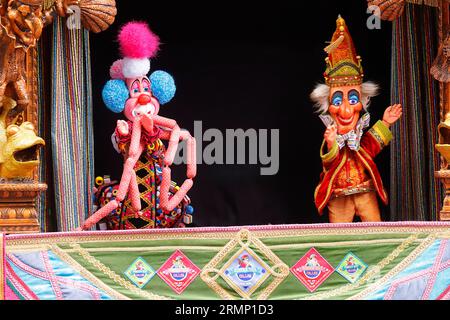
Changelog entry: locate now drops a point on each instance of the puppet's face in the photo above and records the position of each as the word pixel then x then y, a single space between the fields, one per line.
pixel 345 107
pixel 141 100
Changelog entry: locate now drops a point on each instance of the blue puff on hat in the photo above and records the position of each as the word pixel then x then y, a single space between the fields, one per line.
pixel 163 86
pixel 115 94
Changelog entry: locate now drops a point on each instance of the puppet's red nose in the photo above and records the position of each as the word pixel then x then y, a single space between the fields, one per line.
pixel 144 99
pixel 346 111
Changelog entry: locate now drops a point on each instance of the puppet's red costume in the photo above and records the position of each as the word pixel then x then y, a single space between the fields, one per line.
pixel 358 166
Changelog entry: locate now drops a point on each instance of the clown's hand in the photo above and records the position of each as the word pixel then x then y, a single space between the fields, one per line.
pixel 330 136
pixel 122 128
pixel 392 114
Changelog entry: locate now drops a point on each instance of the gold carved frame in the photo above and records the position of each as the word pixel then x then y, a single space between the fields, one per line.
pixel 21 24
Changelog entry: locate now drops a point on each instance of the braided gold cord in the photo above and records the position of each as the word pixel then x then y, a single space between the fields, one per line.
pixel 371 272
pixel 401 266
pixel 64 256
pixel 243 240
pixel 113 276
pixel 23 187
pixel 225 235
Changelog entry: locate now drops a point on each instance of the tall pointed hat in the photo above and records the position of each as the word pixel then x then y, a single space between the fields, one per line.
pixel 343 64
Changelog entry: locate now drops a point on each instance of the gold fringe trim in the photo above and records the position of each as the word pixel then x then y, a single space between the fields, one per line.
pixel 113 276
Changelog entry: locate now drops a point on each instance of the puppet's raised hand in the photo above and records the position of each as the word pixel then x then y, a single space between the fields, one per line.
pixel 392 114
pixel 122 127
pixel 330 136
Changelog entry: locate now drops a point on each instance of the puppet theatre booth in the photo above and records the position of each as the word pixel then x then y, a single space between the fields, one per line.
pixel 70 231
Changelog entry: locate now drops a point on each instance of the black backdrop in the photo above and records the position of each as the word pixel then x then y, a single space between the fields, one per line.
pixel 240 64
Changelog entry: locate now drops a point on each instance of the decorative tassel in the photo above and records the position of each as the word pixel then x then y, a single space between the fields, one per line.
pixel 47 4
pixel 441 66
pixel 333 46
pixel 71 126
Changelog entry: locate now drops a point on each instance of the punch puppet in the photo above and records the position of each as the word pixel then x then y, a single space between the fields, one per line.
pixel 350 180
pixel 139 139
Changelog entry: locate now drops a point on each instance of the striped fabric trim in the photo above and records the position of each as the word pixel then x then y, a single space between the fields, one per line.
pixel 414 46
pixel 43 202
pixel 445 295
pixel 71 126
pixel 20 289
pixel 2 267
pixel 383 132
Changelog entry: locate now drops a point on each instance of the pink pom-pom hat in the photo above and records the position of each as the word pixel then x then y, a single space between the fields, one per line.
pixel 137 45
pixel 137 41
pixel 116 70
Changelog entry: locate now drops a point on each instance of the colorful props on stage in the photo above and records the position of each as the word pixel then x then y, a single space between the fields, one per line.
pixel 120 218
pixel 140 97
pixel 350 179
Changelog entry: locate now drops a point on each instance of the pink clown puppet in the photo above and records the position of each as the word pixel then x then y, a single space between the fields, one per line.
pixel 140 97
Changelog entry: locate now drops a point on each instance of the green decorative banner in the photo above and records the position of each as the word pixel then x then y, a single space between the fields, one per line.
pixel 353 261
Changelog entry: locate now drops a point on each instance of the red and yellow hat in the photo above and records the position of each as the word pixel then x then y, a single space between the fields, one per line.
pixel 343 64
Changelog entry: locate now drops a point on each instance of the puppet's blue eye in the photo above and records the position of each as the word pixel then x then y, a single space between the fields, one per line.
pixel 353 100
pixel 146 89
pixel 353 97
pixel 337 101
pixel 136 90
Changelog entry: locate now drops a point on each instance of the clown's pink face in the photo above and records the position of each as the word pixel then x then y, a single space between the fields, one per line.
pixel 345 107
pixel 141 100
